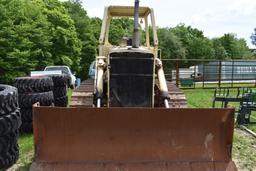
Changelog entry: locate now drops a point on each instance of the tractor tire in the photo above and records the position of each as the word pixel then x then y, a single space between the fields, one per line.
pixel 59 91
pixel 10 123
pixel 69 81
pixel 26 114
pixel 7 142
pixel 61 101
pixel 8 99
pixel 26 127
pixel 59 80
pixel 33 84
pixel 9 158
pixel 27 100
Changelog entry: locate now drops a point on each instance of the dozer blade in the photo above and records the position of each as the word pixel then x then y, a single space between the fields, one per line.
pixel 132 139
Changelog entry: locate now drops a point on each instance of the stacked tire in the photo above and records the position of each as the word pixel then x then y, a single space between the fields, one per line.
pixel 60 83
pixel 33 90
pixel 10 121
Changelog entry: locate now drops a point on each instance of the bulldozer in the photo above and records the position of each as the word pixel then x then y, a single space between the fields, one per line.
pixel 129 118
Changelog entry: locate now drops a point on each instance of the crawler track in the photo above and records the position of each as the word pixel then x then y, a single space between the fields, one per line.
pixel 83 95
pixel 178 98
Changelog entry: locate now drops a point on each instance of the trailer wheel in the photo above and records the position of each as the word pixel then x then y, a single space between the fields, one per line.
pixel 27 100
pixel 59 80
pixel 59 91
pixel 61 101
pixel 33 84
pixel 8 99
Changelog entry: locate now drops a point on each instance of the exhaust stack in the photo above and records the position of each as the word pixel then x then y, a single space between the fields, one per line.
pixel 136 33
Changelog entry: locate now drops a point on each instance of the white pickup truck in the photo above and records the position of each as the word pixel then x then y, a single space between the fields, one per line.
pixel 55 70
pixel 65 70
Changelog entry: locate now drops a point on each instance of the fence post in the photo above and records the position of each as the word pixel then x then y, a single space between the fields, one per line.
pixel 177 73
pixel 203 73
pixel 194 79
pixel 232 82
pixel 219 82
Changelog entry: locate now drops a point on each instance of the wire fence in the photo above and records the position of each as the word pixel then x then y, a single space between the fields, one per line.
pixel 196 73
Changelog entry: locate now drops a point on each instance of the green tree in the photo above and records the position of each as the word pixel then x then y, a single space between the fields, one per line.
pixel 170 44
pixel 66 45
pixel 196 44
pixel 187 33
pixel 96 23
pixel 122 27
pixel 219 51
pixel 235 48
pixel 85 33
pixel 24 38
pixel 200 48
pixel 34 34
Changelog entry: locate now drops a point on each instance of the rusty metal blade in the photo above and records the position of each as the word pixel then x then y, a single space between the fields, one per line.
pixel 132 139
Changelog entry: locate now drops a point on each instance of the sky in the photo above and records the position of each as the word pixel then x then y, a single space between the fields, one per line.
pixel 213 17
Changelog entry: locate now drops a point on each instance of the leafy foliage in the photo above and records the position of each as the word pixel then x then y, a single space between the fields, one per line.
pixel 24 38
pixel 33 34
pixel 85 34
pixel 170 44
pixel 96 27
pixel 235 48
pixel 37 33
pixel 196 44
pixel 219 50
pixel 66 45
pixel 122 27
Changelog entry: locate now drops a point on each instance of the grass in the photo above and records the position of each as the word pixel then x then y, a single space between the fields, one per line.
pixel 253 120
pixel 244 146
pixel 26 145
pixel 69 95
pixel 214 85
pixel 244 151
pixel 203 98
pixel 199 98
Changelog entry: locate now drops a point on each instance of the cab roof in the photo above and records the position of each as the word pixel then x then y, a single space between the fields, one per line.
pixel 128 11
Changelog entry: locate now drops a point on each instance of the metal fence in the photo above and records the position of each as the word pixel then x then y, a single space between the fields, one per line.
pixel 196 73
